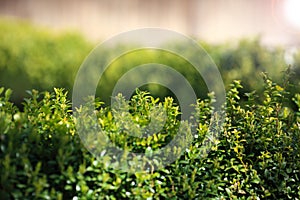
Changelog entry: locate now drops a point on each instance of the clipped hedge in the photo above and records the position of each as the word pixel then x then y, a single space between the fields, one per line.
pixel 257 155
pixel 35 58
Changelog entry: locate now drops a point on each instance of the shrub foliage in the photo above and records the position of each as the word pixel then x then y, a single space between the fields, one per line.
pixel 36 58
pixel 256 156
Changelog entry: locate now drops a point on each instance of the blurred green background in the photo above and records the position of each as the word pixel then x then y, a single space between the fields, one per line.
pixel 33 57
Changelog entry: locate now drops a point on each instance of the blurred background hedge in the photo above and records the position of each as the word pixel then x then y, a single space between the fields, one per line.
pixel 35 58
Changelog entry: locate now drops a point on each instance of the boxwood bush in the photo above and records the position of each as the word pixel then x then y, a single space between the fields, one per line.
pixel 257 155
pixel 36 58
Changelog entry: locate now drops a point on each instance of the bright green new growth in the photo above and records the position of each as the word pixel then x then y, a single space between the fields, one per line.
pixel 257 154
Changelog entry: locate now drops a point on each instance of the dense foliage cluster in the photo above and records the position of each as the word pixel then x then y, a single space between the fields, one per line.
pixel 256 156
